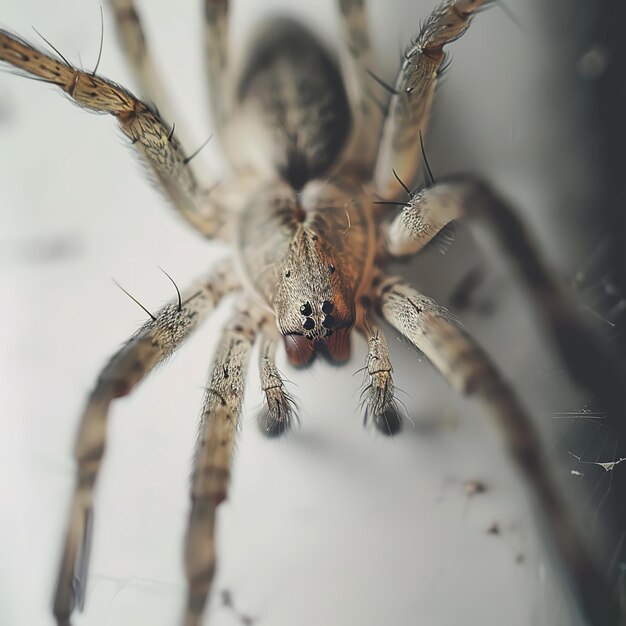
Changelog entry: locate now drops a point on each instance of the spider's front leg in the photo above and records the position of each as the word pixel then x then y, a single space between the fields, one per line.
pixel 155 142
pixel 410 103
pixel 429 210
pixel 150 345
pixel 470 371
pixel 135 46
pixel 358 63
pixel 216 439
pixel 217 65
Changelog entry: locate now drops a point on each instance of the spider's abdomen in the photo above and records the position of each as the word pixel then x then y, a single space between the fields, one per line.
pixel 292 105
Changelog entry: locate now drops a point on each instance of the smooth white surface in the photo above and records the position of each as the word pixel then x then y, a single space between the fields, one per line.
pixel 332 525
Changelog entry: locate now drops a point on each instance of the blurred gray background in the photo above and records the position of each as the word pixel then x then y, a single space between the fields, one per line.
pixel 333 524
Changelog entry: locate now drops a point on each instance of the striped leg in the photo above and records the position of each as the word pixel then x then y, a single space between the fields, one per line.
pixel 150 345
pixel 216 50
pixel 469 370
pixel 413 93
pixel 216 438
pixel 279 410
pixel 357 59
pixel 431 209
pixel 156 143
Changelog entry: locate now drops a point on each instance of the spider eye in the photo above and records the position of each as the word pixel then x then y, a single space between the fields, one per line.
pixel 327 307
pixel 306 309
pixel 309 324
pixel 329 321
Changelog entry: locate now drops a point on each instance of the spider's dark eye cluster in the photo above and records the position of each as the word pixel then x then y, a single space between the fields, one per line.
pixel 306 309
pixel 329 321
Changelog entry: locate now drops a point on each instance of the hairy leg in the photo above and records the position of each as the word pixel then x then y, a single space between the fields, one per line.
pixel 148 347
pixel 428 211
pixel 135 46
pixel 357 59
pixel 216 51
pixel 412 96
pixel 214 450
pixel 154 141
pixel 470 371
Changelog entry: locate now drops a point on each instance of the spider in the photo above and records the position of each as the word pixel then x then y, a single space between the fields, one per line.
pixel 312 246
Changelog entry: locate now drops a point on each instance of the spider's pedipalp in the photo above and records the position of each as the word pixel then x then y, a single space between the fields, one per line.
pixel 279 410
pixel 149 346
pixel 378 395
pixel 470 371
pixel 214 450
pixel 410 105
pixel 149 134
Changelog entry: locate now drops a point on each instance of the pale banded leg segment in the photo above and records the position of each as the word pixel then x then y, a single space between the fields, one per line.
pixel 279 409
pixel 470 371
pixel 155 142
pixel 150 345
pixel 429 210
pixel 357 58
pixel 409 107
pixel 214 451
pixel 216 51
pixel 378 395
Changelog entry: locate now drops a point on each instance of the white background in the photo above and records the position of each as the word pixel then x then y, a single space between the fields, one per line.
pixel 333 525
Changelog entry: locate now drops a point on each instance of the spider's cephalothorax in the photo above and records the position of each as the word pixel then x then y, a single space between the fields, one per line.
pixel 311 154
pixel 310 256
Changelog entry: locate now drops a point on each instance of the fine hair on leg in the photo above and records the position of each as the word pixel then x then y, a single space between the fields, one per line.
pixel 214 451
pixel 153 343
pixel 469 370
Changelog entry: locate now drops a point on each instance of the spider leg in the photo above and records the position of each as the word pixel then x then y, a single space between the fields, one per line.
pixel 413 91
pixel 279 410
pixel 214 451
pixel 378 394
pixel 357 59
pixel 154 141
pixel 216 51
pixel 428 211
pixel 470 371
pixel 150 345
pixel 135 46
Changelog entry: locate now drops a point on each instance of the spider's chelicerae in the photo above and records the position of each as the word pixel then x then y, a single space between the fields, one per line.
pixel 315 166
